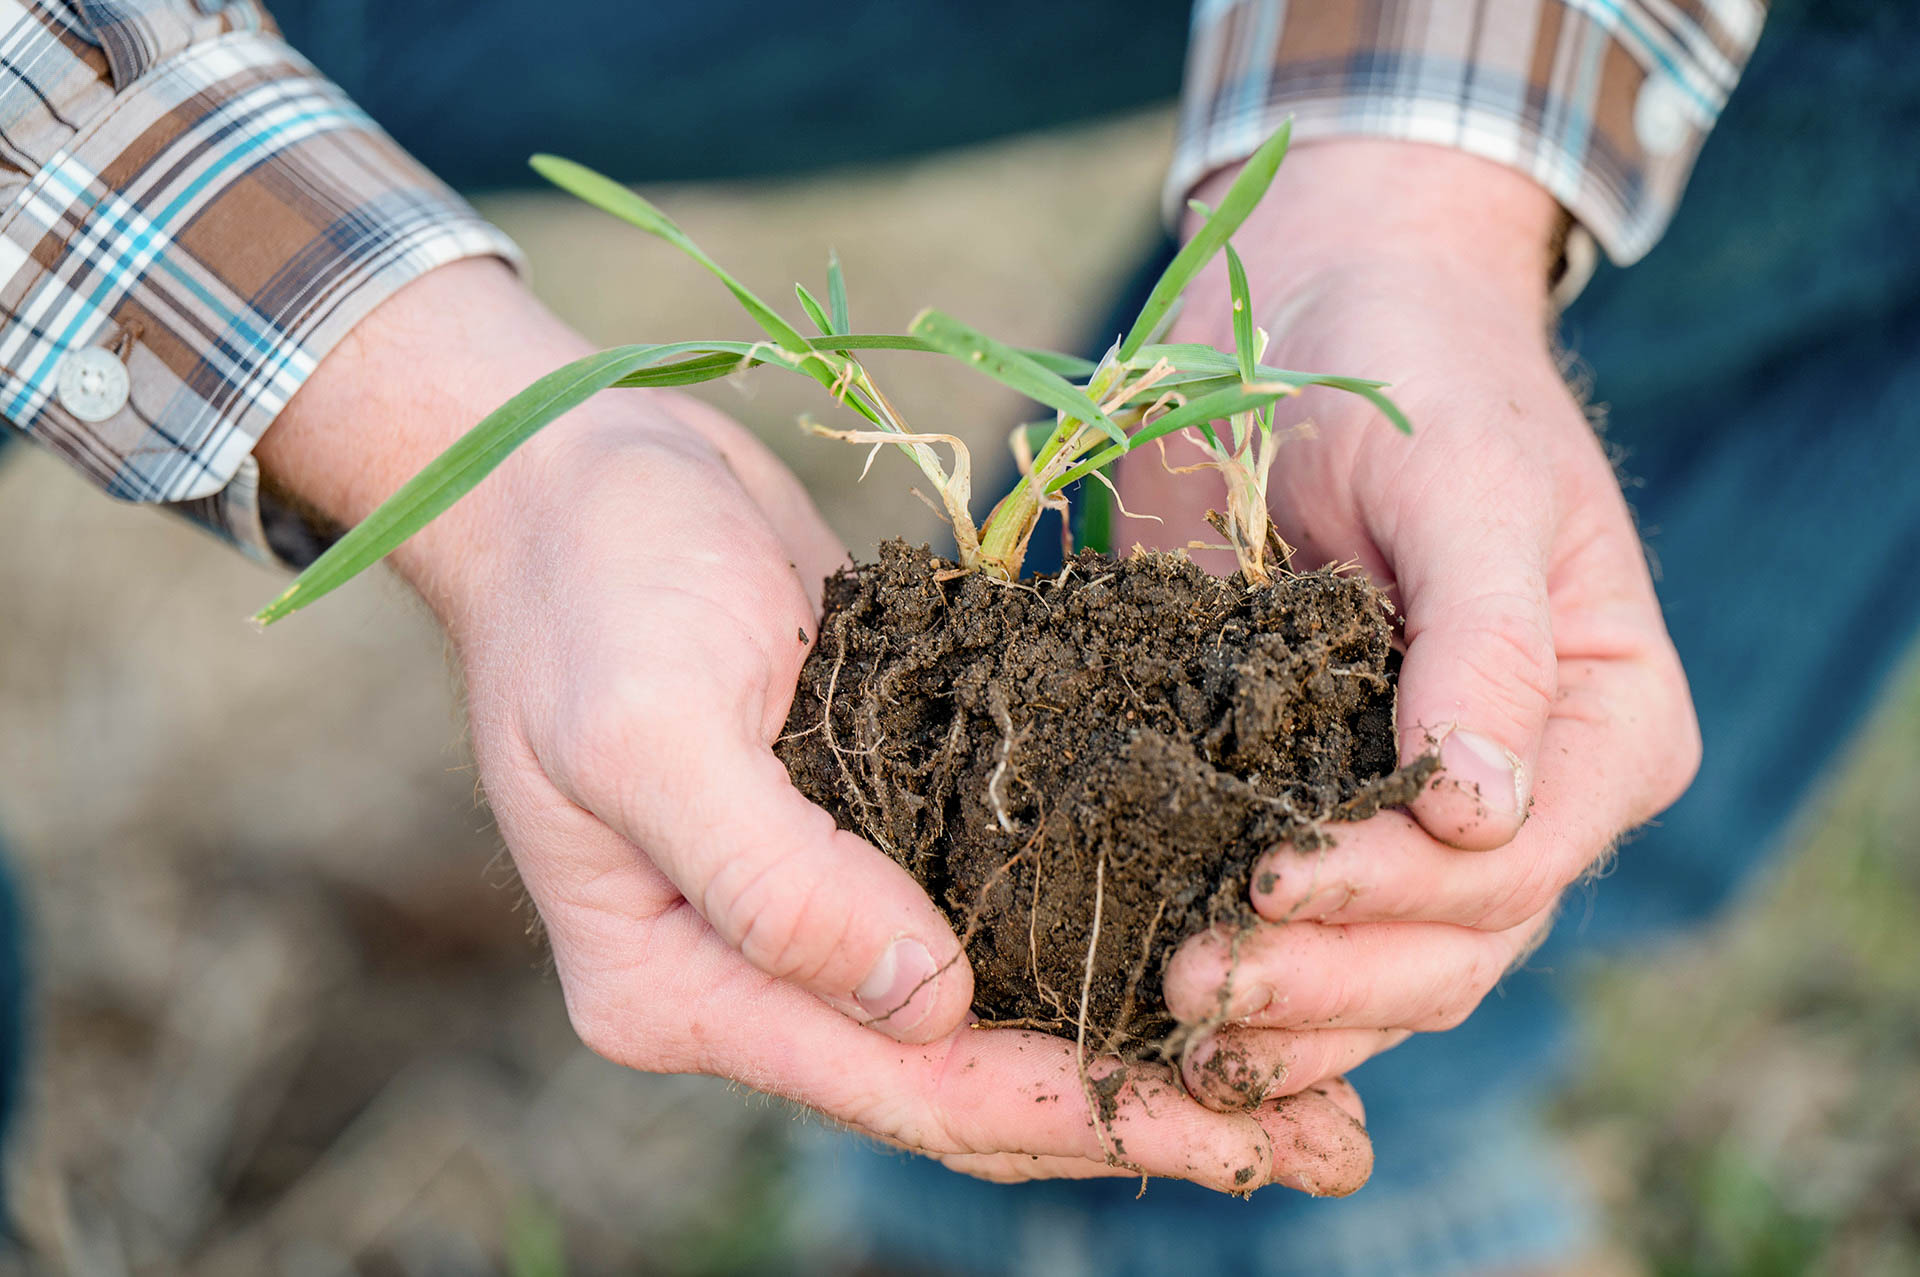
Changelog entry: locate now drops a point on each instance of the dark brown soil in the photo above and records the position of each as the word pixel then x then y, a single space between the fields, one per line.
pixel 1117 745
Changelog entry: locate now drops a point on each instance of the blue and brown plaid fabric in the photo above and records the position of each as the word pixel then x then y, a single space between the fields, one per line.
pixel 181 189
pixel 1603 102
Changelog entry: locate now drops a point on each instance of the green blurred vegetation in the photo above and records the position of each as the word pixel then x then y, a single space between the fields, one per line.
pixel 1753 1098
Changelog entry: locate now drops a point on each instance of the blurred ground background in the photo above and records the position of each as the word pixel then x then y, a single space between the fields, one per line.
pixel 290 1019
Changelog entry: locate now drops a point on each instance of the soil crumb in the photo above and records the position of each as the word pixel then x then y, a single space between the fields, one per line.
pixel 1115 745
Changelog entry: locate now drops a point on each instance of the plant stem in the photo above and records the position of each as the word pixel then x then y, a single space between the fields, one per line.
pixel 1003 540
pixel 1004 536
pixel 1009 526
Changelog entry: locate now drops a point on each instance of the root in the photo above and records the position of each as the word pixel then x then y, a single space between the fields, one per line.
pixel 1117 1034
pixel 1120 505
pixel 1006 867
pixel 1101 1120
pixel 1040 986
pixel 853 789
pixel 1011 585
pixel 1180 1043
pixel 973 922
pixel 997 706
pixel 1277 546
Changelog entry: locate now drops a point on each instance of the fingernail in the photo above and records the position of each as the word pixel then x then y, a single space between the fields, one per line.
pixel 1320 902
pixel 1473 762
pixel 1230 1077
pixel 1247 999
pixel 903 975
pixel 1287 889
pixel 1298 1181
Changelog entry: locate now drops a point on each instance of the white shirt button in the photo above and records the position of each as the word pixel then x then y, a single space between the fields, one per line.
pixel 94 385
pixel 1660 116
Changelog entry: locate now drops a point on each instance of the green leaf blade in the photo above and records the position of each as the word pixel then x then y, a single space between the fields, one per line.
pixel 611 197
pixel 1242 314
pixel 814 312
pixel 837 294
pixel 730 356
pixel 1012 368
pixel 1245 193
pixel 456 472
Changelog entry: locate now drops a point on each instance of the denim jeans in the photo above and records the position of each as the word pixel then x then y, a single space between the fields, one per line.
pixel 1762 374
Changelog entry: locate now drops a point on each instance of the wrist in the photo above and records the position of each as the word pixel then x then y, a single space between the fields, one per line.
pixel 1368 207
pixel 406 383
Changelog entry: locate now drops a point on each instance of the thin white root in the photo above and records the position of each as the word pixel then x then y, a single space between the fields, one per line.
pixel 956 486
pixel 1004 721
pixel 1100 1130
pixel 1196 468
pixel 1120 505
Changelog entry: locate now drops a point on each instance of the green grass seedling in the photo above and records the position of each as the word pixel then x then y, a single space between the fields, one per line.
pixel 1138 393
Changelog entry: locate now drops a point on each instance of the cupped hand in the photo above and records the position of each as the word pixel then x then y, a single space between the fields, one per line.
pixel 631 597
pixel 1535 658
pixel 705 917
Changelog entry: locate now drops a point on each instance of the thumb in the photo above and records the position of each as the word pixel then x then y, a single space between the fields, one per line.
pixel 1480 673
pixel 800 899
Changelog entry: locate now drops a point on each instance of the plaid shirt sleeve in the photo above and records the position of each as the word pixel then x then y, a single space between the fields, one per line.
pixel 1603 102
pixel 190 217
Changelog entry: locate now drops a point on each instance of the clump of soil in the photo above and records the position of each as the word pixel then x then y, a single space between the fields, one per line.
pixel 1116 745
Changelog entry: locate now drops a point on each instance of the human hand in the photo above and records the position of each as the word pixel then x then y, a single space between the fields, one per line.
pixel 1535 655
pixel 631 598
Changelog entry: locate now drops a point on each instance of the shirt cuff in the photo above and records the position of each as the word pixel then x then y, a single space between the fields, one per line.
pixel 195 229
pixel 1606 105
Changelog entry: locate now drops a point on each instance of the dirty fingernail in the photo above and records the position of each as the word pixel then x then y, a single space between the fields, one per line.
pixel 903 975
pixel 1228 1078
pixel 1473 762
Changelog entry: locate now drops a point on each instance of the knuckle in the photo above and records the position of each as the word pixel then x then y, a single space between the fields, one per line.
pixel 1533 882
pixel 1335 992
pixel 1501 645
pixel 1514 661
pixel 781 921
pixel 1666 742
pixel 1457 997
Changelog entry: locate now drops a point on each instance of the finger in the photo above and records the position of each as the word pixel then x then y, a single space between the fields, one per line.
pixel 1315 1141
pixel 1236 1068
pixel 1621 746
pixel 651 984
pixel 1479 677
pixel 1340 1163
pixel 1340 1093
pixel 801 900
pixel 1320 1141
pixel 1021 1168
pixel 666 993
pixel 1416 976
pixel 812 904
